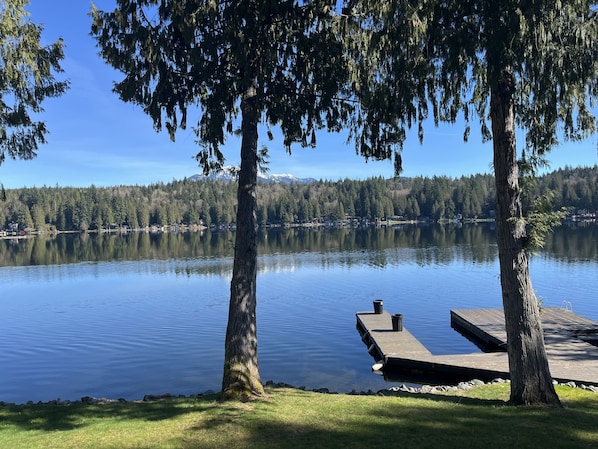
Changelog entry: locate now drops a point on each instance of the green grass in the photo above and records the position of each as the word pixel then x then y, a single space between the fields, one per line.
pixel 477 418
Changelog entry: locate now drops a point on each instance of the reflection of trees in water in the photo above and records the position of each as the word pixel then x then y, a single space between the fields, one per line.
pixel 573 243
pixel 430 244
pixel 75 248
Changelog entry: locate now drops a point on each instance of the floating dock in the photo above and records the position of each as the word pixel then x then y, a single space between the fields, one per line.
pixel 568 338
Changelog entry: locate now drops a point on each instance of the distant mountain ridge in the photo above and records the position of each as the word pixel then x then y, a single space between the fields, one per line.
pixel 227 176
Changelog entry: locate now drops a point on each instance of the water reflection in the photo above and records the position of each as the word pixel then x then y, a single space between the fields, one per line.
pixel 210 253
pixel 435 243
pixel 572 243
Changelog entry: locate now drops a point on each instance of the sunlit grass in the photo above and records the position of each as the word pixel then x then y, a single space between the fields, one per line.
pixel 478 418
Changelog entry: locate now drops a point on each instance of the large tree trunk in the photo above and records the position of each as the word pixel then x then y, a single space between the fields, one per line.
pixel 241 379
pixel 531 382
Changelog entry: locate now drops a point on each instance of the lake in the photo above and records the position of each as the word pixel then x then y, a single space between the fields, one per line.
pixel 129 315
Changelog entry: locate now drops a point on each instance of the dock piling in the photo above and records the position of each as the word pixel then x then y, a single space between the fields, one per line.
pixel 397 322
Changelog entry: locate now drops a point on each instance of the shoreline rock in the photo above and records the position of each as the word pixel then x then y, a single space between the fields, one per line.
pixel 391 391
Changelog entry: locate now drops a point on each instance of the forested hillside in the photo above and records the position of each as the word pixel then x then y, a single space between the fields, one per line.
pixel 213 202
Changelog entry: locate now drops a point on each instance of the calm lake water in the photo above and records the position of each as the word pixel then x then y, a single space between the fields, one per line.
pixel 124 316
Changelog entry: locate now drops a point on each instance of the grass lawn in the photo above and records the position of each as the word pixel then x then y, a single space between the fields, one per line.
pixel 478 418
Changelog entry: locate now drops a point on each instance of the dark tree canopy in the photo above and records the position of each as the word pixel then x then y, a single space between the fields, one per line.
pixel 439 59
pixel 27 78
pixel 204 57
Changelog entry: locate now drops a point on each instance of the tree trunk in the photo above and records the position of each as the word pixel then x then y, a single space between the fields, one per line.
pixel 531 382
pixel 241 379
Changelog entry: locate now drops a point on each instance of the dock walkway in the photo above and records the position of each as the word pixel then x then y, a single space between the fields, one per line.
pixel 570 357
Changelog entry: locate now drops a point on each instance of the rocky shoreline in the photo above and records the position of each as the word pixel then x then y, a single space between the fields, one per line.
pixel 391 391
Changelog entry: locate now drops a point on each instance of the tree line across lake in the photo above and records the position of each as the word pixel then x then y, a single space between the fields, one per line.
pixel 567 243
pixel 207 202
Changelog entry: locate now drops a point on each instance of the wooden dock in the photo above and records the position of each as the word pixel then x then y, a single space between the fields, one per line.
pixel 566 335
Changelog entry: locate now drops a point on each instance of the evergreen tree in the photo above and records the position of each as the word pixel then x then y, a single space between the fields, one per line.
pixel 39 217
pixel 143 215
pixel 531 64
pixel 277 62
pixel 27 71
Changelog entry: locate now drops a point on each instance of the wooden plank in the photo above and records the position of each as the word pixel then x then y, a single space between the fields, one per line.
pixel 570 358
pixel 483 327
pixel 388 342
pixel 488 325
pixel 401 350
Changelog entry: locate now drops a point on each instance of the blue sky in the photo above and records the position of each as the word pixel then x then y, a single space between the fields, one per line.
pixel 97 139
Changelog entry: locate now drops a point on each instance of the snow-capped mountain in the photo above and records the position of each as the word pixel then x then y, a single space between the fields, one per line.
pixel 227 175
pixel 282 179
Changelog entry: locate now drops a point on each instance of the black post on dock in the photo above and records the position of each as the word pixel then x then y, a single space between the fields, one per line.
pixel 397 322
pixel 378 306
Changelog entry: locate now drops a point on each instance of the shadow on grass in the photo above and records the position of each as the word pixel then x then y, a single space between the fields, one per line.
pixel 295 419
pixel 438 421
pixel 49 417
